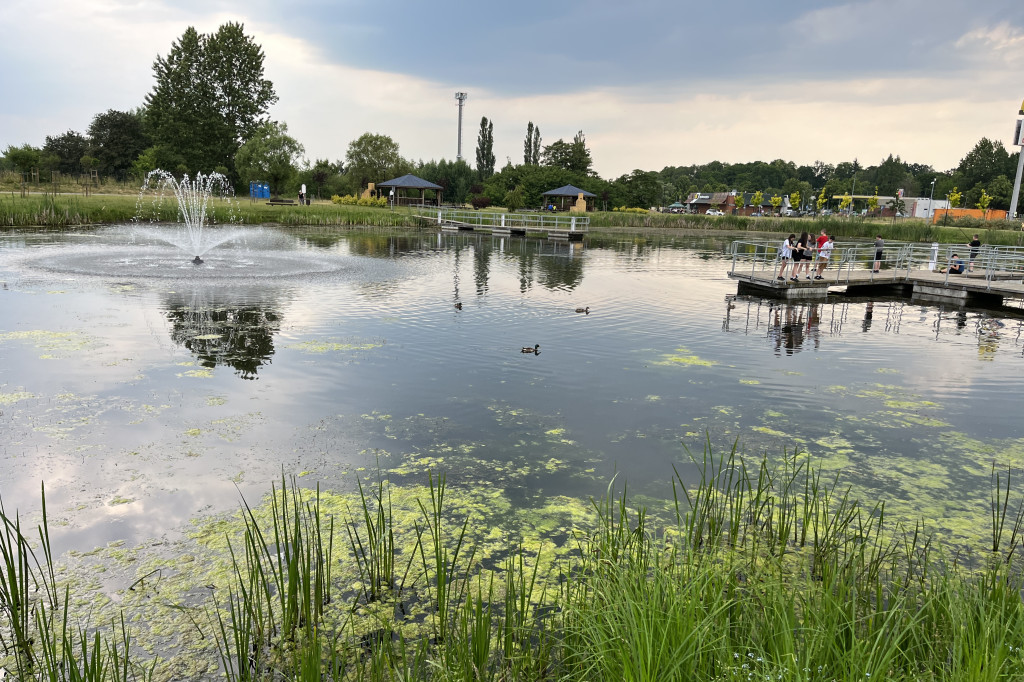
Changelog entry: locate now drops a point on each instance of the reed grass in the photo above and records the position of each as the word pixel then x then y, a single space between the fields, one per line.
pixel 761 570
pixel 72 210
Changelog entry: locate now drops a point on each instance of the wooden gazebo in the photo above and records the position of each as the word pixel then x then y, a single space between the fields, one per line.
pixel 570 192
pixel 401 186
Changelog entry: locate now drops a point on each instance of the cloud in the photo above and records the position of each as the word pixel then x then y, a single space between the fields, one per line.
pixel 653 83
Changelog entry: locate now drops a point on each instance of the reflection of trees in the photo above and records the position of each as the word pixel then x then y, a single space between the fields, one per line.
pixel 227 328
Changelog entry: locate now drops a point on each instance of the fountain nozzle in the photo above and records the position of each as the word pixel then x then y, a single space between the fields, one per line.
pixel 197 261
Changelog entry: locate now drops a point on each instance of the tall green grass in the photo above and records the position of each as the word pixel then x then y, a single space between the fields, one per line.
pixel 61 211
pixel 759 570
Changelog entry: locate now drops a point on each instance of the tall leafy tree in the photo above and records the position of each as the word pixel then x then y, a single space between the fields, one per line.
pixel 116 138
pixel 209 97
pixel 69 149
pixel 373 158
pixel 455 177
pixel 531 146
pixel 270 154
pixel 23 158
pixel 984 163
pixel 485 149
pixel 573 157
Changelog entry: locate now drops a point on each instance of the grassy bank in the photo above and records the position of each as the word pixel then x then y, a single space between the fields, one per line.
pixel 757 572
pixel 69 210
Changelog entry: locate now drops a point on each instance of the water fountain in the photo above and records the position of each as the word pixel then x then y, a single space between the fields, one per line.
pixel 193 197
pixel 151 246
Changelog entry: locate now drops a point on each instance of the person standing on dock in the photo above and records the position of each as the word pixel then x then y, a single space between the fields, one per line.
pixel 822 238
pixel 975 244
pixel 824 253
pixel 879 253
pixel 785 253
pixel 801 257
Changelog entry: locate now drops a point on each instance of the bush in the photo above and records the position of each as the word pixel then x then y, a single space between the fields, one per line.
pixel 480 202
pixel 624 209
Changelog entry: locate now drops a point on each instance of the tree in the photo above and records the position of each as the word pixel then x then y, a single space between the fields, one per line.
pixel 69 149
pixel 954 198
pixel 373 158
pixel 323 178
pixel 209 97
pixel 756 200
pixel 485 149
pixel 873 202
pixel 776 202
pixel 270 154
pixel 897 205
pixel 1001 190
pixel 531 146
pixel 641 189
pixel 573 156
pixel 845 202
pixel 23 158
pixel 984 162
pixel 984 200
pixel 794 200
pixel 455 177
pixel 821 200
pixel 514 198
pixel 116 138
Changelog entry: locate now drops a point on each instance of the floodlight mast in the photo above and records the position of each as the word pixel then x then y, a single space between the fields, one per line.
pixel 1019 141
pixel 461 97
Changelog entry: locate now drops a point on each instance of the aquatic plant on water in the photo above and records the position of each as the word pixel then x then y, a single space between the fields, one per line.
pixel 766 568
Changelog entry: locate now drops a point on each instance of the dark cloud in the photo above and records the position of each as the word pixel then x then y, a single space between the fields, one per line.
pixel 533 47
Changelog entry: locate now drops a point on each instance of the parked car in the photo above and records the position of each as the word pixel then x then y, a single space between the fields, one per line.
pixel 713 211
pixel 789 212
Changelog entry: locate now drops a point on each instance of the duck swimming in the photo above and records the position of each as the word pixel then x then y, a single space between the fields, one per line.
pixel 458 306
pixel 535 350
pixel 586 310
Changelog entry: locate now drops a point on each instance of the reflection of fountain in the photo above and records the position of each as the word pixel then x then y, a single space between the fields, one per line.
pixel 232 329
pixel 193 199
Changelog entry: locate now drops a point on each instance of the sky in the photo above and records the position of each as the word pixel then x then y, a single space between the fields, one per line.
pixel 651 83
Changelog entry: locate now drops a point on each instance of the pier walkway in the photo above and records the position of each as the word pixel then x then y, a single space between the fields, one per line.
pixel 541 224
pixel 920 271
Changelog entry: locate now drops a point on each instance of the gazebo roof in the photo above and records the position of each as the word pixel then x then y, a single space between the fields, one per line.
pixel 409 181
pixel 568 191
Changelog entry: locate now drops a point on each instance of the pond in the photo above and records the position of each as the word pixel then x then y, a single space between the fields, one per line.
pixel 146 392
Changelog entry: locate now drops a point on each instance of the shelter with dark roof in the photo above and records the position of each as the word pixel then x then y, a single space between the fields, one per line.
pixel 567 192
pixel 411 183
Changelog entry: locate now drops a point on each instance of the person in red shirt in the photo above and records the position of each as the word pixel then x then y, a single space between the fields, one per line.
pixel 822 238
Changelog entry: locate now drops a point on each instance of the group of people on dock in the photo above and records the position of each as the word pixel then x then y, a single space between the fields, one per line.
pixel 956 263
pixel 802 252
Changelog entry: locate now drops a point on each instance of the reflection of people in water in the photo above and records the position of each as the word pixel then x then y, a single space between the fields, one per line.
pixel 869 311
pixel 790 328
pixel 988 338
pixel 961 319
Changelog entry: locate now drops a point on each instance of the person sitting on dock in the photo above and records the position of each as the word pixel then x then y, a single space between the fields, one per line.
pixel 956 265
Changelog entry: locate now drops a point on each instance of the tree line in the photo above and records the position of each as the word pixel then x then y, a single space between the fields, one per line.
pixel 208 111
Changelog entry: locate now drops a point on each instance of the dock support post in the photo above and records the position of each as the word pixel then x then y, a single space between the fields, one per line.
pixel 933 259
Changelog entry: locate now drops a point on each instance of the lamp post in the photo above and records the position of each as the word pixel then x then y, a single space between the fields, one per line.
pixel 931 211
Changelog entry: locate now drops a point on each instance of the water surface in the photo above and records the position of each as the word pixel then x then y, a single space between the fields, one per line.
pixel 144 391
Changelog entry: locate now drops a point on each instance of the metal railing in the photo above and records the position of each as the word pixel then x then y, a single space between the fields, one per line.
pixel 759 257
pixel 899 261
pixel 498 220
